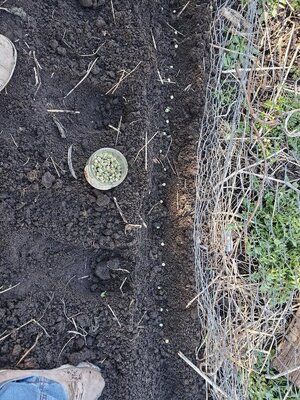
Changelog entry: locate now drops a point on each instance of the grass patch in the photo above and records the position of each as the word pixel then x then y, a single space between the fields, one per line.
pixel 275 137
pixel 263 388
pixel 274 241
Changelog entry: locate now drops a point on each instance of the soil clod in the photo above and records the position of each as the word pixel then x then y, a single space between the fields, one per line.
pixel 47 180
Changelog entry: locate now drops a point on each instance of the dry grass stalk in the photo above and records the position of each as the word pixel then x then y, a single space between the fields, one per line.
pixel 37 70
pixel 120 211
pixel 114 315
pixel 55 167
pixel 90 67
pixel 61 111
pixel 124 75
pixel 204 376
pixel 60 127
pixel 39 335
pixel 153 39
pixel 113 11
pixel 70 164
pixel 118 129
pixel 145 145
pixel 183 8
pixel 7 289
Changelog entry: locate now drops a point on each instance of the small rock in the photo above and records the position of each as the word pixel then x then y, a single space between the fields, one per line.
pixel 58 184
pixel 100 23
pixel 96 70
pixel 113 264
pixel 89 343
pixel 83 321
pixel 48 180
pixel 54 44
pixel 31 175
pixel 4 348
pixel 91 198
pixel 111 74
pixel 86 3
pixel 17 350
pixel 102 271
pixel 85 144
pixel 102 200
pixel 94 288
pixel 61 51
pixel 35 187
pixel 80 343
pixel 69 226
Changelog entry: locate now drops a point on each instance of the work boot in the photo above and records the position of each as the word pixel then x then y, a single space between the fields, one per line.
pixel 83 382
pixel 8 59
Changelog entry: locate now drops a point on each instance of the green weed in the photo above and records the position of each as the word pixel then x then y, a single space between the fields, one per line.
pixel 275 137
pixel 274 242
pixel 275 6
pixel 236 52
pixel 226 96
pixel 261 388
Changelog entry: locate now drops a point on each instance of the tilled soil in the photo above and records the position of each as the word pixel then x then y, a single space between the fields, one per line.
pixel 103 277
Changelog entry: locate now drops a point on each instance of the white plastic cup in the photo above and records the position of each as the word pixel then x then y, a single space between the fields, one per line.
pixel 8 60
pixel 90 174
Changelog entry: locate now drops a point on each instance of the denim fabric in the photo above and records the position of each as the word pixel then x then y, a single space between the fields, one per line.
pixel 32 388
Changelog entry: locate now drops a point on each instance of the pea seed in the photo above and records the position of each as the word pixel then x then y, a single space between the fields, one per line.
pixel 107 168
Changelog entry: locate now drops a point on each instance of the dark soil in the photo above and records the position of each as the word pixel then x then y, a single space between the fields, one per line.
pixel 75 259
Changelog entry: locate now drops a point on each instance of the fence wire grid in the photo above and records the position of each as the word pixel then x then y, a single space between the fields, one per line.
pixel 247 156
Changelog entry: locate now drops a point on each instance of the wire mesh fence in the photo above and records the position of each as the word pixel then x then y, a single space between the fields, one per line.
pixel 247 232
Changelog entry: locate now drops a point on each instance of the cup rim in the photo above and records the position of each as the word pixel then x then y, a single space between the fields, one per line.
pixel 90 175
